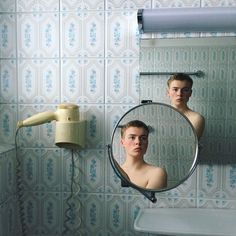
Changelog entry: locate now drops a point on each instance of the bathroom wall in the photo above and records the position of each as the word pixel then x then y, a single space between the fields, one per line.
pixel 87 52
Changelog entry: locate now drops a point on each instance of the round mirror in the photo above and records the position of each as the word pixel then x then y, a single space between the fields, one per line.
pixel 172 145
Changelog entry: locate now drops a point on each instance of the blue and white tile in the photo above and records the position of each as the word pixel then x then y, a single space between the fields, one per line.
pixel 94 116
pixel 8 36
pixel 31 212
pixel 122 81
pixel 50 170
pixel 83 34
pixel 71 34
pixel 93 214
pixel 220 3
pixel 93 34
pixel 28 173
pixel 50 204
pixel 33 6
pixel 229 180
pixel 92 171
pixel 122 34
pixel 7 6
pixel 115 214
pixel 10 167
pixel 8 82
pixel 209 181
pixel 39 34
pixel 7 123
pixel 174 3
pixel 127 5
pixel 82 80
pixel 74 5
pixel 39 81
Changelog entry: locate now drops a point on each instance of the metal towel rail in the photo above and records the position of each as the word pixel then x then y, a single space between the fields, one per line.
pixel 198 73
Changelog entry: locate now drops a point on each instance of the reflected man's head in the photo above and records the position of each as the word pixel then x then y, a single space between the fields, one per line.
pixel 134 137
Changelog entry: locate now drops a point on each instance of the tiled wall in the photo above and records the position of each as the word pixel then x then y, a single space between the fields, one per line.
pixel 9 219
pixel 87 52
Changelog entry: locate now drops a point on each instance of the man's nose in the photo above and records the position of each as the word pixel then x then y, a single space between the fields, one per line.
pixel 179 92
pixel 138 141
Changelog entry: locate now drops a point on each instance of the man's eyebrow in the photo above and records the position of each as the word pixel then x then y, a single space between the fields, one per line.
pixel 139 135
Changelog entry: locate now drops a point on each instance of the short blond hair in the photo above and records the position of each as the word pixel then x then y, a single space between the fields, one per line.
pixel 180 77
pixel 134 123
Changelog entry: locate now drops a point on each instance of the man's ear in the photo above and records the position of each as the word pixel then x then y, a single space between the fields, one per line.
pixel 122 142
pixel 167 92
pixel 191 93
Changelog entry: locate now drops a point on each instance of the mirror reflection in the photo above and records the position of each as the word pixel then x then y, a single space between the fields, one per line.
pixel 134 140
pixel 154 146
pixel 179 91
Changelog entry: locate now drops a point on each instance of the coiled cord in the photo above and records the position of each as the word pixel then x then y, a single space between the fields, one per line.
pixel 72 211
pixel 20 189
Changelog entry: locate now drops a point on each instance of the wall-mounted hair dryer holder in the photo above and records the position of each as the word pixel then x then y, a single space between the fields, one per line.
pixel 70 130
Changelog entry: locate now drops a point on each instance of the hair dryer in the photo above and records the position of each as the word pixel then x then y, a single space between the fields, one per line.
pixel 70 131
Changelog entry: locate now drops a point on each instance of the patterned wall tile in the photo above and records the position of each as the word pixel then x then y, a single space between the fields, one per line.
pixel 8 82
pixel 31 213
pixel 121 4
pixel 93 214
pixel 28 173
pixel 83 34
pixel 39 34
pixel 174 3
pixel 221 3
pixel 42 5
pixel 82 80
pixel 210 184
pixel 50 204
pixel 229 180
pixel 39 81
pixel 50 177
pixel 122 34
pixel 92 174
pixel 7 6
pixel 75 5
pixel 115 215
pixel 122 81
pixel 8 36
pixel 7 123
pixel 94 116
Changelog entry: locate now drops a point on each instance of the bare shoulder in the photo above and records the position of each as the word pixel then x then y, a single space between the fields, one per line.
pixel 198 122
pixel 157 177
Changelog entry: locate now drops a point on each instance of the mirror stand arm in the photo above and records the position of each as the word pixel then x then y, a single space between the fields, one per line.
pixel 149 194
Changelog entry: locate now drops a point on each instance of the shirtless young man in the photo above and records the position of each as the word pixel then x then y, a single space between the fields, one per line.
pixel 134 138
pixel 179 91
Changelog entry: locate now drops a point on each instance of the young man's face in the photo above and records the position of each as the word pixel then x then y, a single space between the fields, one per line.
pixel 179 92
pixel 135 141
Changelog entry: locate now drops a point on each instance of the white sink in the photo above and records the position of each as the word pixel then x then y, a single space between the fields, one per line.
pixel 187 221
